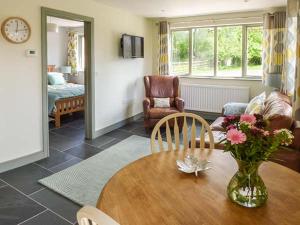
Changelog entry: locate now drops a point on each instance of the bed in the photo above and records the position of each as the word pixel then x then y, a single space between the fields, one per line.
pixel 64 99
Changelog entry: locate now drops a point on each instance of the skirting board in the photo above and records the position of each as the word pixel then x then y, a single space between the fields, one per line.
pixel 15 163
pixel 117 125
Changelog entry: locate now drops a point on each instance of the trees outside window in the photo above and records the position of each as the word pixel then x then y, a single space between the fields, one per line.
pixel 226 51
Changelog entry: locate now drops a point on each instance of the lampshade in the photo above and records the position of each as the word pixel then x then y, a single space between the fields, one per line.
pixel 65 69
pixel 273 80
pixel 52 27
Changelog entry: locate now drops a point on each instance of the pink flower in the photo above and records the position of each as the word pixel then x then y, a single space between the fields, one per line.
pixel 248 119
pixel 236 137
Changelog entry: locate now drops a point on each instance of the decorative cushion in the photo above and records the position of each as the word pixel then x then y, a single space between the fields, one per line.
pixel 161 102
pixel 55 78
pixel 256 105
pixel 234 108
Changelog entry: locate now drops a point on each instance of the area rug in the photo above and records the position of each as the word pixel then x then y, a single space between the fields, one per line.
pixel 83 182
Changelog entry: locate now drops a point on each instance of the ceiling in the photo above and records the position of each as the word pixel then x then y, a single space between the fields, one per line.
pixel 64 23
pixel 178 8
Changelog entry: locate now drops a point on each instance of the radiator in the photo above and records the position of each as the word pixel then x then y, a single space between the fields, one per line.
pixel 211 98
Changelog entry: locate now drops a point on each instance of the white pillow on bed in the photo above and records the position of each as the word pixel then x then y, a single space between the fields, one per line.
pixel 55 78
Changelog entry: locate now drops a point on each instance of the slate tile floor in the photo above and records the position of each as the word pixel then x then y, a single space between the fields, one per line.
pixel 24 201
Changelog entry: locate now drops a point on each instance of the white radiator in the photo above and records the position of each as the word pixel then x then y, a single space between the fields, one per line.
pixel 211 98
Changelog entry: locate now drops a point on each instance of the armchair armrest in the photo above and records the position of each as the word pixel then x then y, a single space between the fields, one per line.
pixel 146 107
pixel 296 133
pixel 234 108
pixel 179 103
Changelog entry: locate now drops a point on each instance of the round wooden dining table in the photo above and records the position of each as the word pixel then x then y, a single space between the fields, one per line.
pixel 152 191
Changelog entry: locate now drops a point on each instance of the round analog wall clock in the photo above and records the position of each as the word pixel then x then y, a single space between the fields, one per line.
pixel 15 30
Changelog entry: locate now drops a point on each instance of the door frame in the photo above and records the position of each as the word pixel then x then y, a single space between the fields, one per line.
pixel 89 74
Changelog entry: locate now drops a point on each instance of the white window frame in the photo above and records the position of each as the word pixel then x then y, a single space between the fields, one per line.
pixel 244 74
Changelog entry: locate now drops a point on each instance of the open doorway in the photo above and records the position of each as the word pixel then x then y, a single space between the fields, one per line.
pixel 65 72
pixel 67 64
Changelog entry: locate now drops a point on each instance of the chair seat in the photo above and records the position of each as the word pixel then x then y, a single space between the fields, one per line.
pixel 158 113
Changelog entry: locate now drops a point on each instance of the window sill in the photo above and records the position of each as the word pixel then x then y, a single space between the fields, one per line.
pixel 222 78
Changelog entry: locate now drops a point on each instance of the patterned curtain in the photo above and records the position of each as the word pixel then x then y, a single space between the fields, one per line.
pixel 273 43
pixel 291 79
pixel 72 51
pixel 163 58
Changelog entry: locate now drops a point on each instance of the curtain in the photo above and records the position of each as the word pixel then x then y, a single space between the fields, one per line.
pixel 291 79
pixel 163 58
pixel 72 51
pixel 273 43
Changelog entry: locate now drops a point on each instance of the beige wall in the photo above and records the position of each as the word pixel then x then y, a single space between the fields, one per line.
pixel 118 81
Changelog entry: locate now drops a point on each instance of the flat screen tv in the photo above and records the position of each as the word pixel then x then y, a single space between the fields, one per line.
pixel 132 46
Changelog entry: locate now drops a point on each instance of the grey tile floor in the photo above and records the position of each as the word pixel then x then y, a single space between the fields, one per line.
pixel 24 201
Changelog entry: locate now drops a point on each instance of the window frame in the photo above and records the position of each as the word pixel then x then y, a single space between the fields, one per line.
pixel 244 65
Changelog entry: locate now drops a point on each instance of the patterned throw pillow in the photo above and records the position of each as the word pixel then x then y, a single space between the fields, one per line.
pixel 256 105
pixel 161 102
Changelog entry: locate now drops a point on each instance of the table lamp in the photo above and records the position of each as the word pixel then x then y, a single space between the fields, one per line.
pixel 66 70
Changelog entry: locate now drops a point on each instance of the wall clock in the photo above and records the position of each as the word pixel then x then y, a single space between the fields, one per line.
pixel 16 30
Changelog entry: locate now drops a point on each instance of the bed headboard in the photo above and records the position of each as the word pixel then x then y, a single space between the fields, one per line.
pixel 51 68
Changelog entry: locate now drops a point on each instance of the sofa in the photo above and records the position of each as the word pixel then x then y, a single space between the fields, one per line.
pixel 161 87
pixel 278 111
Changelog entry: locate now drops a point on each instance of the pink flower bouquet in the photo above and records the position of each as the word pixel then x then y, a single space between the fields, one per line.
pixel 249 139
pixel 250 142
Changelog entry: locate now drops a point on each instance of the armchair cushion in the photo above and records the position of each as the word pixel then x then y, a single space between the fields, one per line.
pixel 158 113
pixel 234 108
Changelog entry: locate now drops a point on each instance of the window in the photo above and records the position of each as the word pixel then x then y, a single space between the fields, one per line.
pixel 203 52
pixel 229 51
pixel 254 51
pixel 180 52
pixel 80 52
pixel 225 51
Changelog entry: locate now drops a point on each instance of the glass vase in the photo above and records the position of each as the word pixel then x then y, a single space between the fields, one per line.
pixel 246 187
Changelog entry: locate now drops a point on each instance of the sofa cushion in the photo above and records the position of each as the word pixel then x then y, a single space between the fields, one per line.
pixel 256 105
pixel 234 108
pixel 278 111
pixel 217 124
pixel 158 113
pixel 276 95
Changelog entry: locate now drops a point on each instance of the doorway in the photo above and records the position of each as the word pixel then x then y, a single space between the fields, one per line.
pixel 68 72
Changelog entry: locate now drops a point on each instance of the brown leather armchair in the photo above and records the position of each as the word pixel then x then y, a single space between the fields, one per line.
pixel 161 87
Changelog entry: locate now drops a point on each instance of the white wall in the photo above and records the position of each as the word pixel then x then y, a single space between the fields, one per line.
pixel 57 47
pixel 118 81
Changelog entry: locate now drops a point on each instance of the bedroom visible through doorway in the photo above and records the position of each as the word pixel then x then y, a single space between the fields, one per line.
pixel 65 72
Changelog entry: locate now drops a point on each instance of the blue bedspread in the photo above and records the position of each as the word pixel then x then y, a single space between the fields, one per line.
pixel 68 90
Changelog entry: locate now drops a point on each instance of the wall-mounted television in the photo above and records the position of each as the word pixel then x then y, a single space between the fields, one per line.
pixel 132 46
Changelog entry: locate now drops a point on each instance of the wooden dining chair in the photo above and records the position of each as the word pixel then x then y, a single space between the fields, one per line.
pixel 89 215
pixel 205 133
